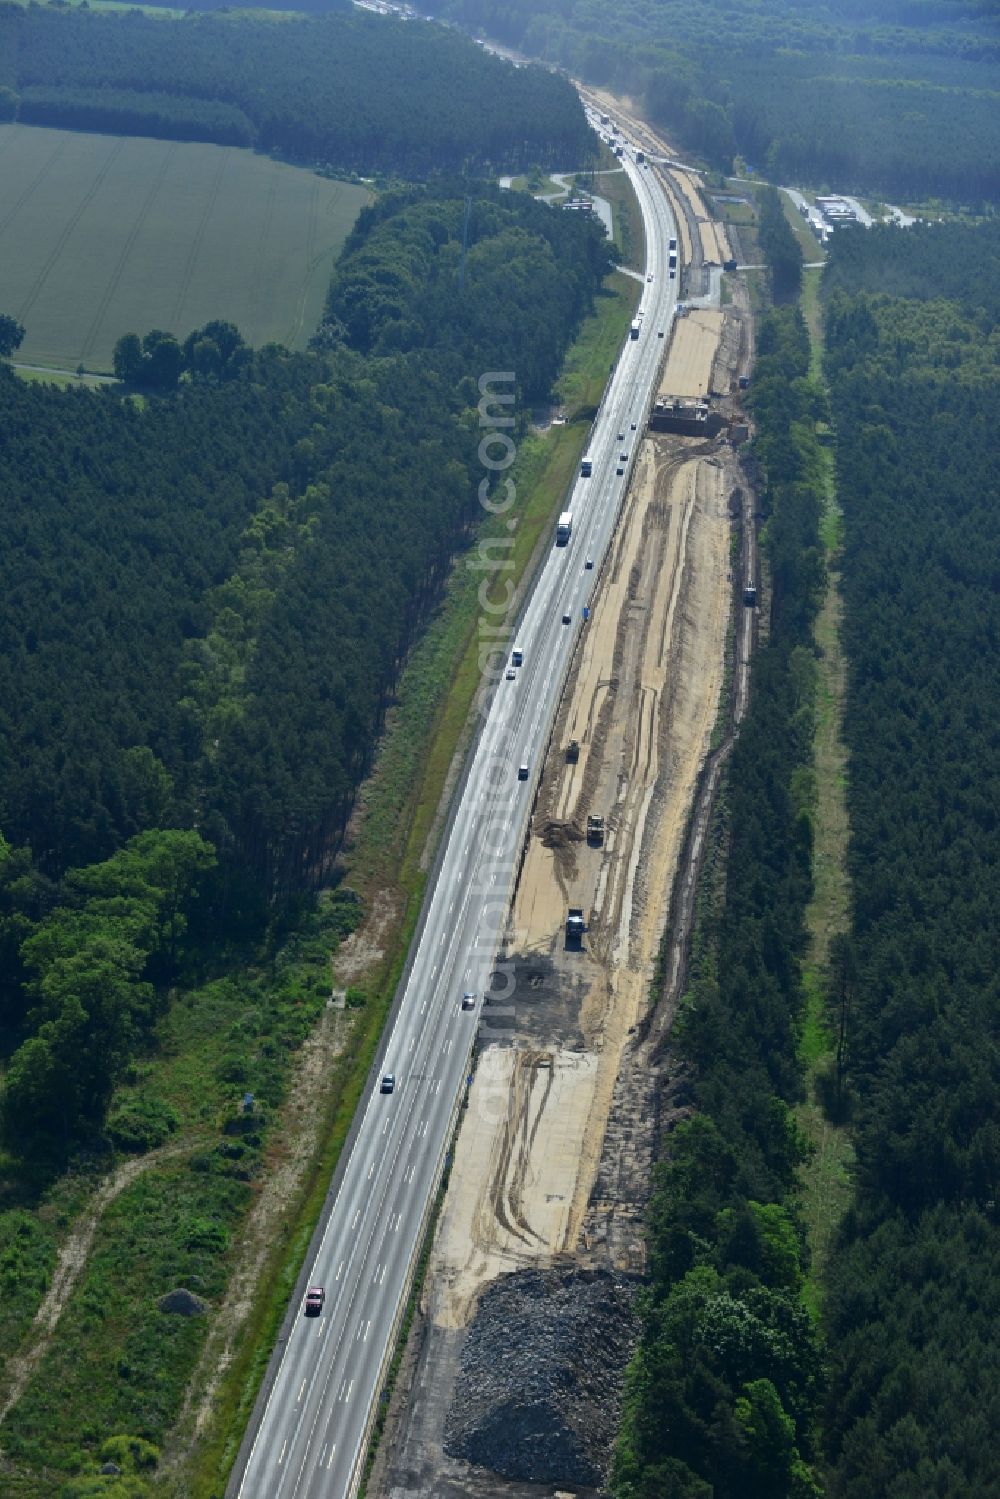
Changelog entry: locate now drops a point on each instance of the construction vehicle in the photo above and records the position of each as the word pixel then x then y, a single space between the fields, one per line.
pixel 572 752
pixel 595 829
pixel 575 926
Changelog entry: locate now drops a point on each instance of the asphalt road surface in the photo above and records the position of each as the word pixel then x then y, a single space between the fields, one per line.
pixel 308 1435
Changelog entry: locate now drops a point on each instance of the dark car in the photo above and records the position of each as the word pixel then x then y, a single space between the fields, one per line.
pixel 567 618
pixel 589 565
pixel 388 1084
pixel 468 1000
pixel 633 426
pixel 315 1297
pixel 619 471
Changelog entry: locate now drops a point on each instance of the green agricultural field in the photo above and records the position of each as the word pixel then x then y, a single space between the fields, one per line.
pixel 102 235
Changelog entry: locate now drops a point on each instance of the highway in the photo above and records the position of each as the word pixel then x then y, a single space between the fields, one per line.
pixel 309 1433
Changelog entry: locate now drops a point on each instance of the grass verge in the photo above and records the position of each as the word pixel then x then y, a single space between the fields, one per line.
pixel 629 230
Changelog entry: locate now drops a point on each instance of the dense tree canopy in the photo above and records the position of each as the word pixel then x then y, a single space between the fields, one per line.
pixel 915 1287
pixel 781 249
pixel 354 90
pixel 893 96
pixel 11 336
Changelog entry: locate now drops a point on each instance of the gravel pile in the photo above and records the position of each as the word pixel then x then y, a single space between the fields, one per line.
pixel 539 1393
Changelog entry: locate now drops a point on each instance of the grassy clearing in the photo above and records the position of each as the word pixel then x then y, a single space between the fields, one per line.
pixel 539 185
pixel 110 234
pixel 740 214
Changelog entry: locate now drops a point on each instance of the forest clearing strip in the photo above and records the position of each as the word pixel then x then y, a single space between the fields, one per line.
pixel 826 1184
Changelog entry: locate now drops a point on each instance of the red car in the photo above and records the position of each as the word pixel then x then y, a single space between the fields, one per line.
pixel 315 1297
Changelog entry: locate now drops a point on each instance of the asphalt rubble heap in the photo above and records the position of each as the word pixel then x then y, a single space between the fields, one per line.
pixel 543 1366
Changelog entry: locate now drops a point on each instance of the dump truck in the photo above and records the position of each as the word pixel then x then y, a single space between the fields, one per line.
pixel 575 926
pixel 595 829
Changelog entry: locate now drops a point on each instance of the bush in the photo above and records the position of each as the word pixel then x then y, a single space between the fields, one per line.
pixel 142 1124
pixel 132 1454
